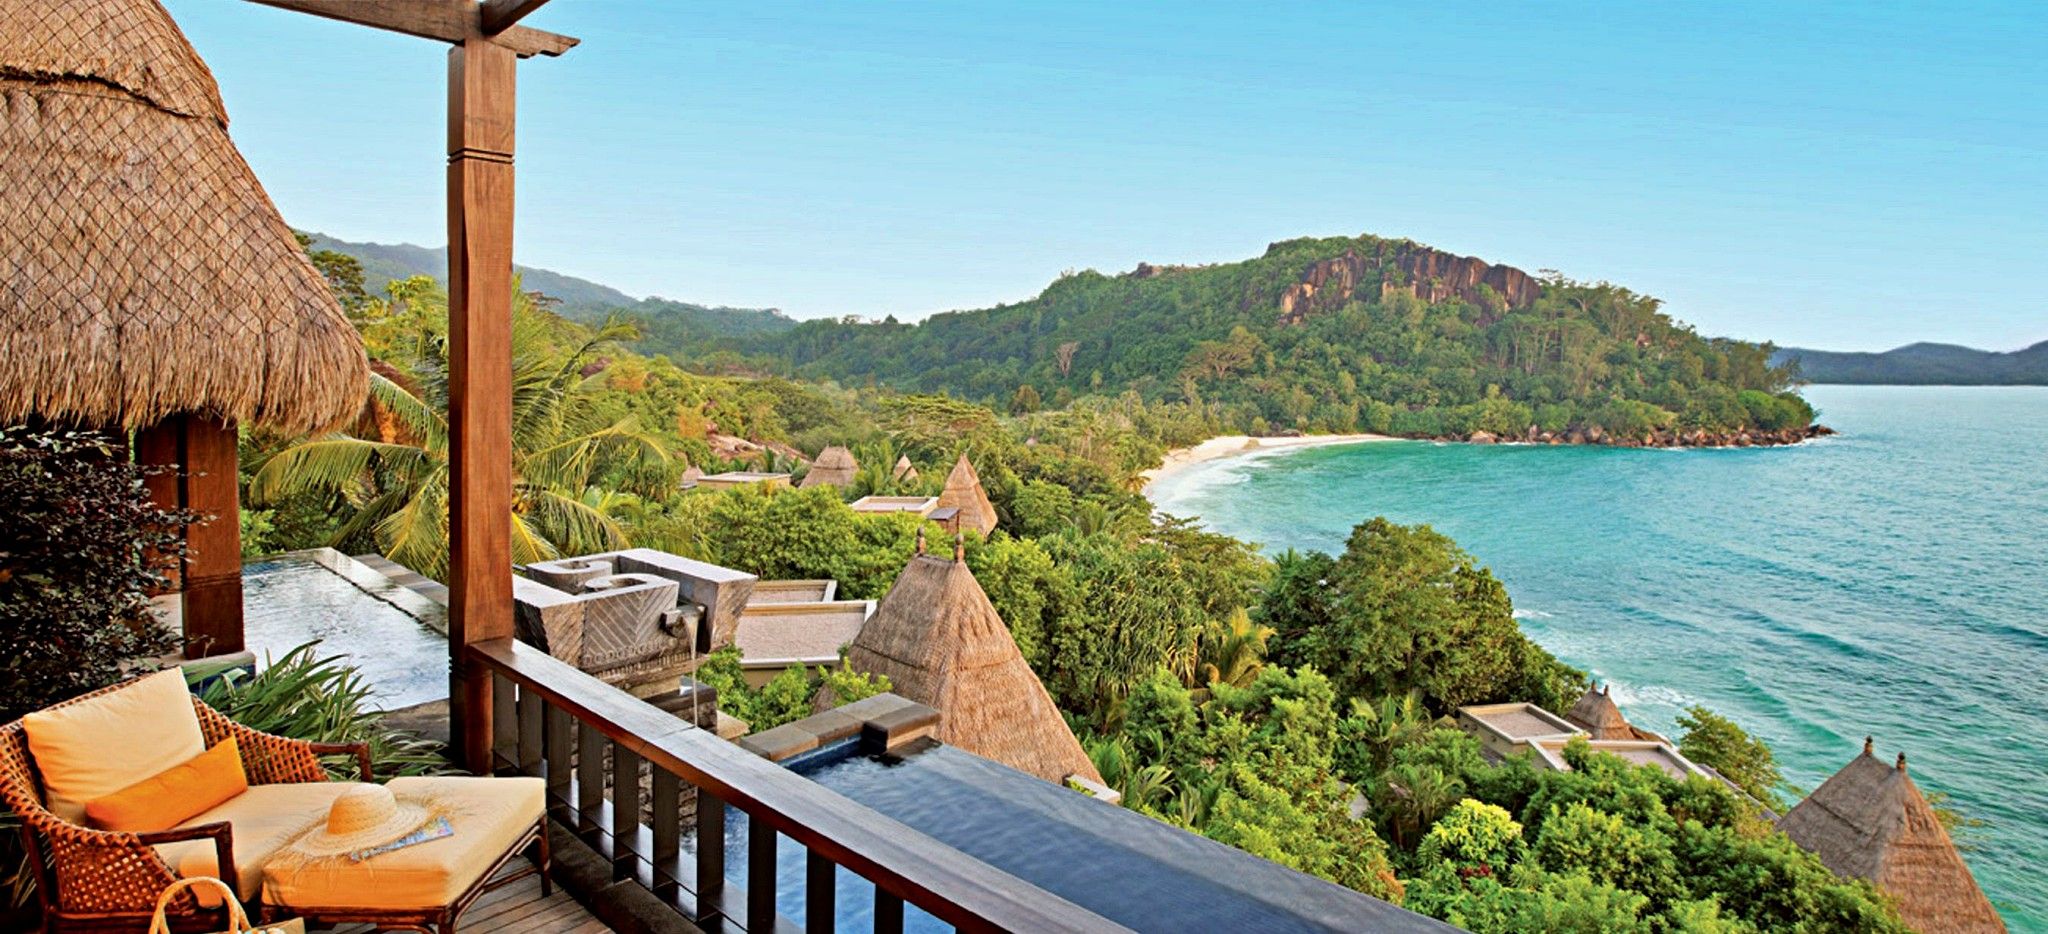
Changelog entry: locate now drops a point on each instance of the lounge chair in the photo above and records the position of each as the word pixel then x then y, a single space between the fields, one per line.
pixel 100 880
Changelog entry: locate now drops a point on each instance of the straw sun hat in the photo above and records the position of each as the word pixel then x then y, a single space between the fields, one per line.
pixel 360 818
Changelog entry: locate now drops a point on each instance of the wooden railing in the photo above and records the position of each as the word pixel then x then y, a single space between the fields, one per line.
pixel 588 739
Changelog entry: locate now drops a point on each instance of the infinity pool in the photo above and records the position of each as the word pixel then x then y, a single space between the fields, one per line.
pixel 1133 870
pixel 396 637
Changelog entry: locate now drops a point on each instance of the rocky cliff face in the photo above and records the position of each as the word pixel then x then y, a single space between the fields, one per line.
pixel 1429 274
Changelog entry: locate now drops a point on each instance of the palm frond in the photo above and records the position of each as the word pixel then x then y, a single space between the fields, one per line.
pixel 328 464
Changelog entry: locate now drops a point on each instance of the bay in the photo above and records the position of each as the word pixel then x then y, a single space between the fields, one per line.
pixel 1891 580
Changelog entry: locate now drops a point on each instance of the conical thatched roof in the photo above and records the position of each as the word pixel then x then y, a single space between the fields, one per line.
pixel 905 472
pixel 1870 821
pixel 143 271
pixel 691 475
pixel 835 466
pixel 1596 713
pixel 964 492
pixel 939 640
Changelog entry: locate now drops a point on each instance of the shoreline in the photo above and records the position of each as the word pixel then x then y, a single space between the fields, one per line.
pixel 1179 460
pixel 1217 448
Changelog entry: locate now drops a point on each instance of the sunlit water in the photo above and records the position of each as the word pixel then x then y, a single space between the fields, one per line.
pixel 1892 580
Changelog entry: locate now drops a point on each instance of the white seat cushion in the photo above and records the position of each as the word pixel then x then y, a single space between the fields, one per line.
pixel 489 815
pixel 264 818
pixel 100 746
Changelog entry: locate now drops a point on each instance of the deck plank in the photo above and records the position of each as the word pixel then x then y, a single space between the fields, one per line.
pixel 516 907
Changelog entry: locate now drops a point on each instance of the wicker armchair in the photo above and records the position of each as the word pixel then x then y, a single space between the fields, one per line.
pixel 96 880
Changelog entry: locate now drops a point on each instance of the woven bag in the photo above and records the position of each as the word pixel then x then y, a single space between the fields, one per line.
pixel 238 920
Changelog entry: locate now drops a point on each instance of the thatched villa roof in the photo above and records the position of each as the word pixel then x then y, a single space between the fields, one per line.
pixel 1596 713
pixel 835 466
pixel 1870 821
pixel 964 492
pixel 904 471
pixel 144 272
pixel 939 640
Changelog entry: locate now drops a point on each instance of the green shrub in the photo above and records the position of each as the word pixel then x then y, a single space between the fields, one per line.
pixel 81 548
pixel 323 700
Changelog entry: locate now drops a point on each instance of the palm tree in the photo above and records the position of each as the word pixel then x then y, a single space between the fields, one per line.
pixel 1394 722
pixel 397 481
pixel 1420 794
pixel 1232 653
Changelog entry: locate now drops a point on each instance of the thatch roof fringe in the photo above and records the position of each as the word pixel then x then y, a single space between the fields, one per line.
pixel 145 273
pixel 1870 821
pixel 941 642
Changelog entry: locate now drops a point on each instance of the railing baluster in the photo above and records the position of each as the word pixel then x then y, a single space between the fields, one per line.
pixel 590 743
pixel 668 831
pixel 625 809
pixel 888 913
pixel 760 876
pixel 504 722
pixel 710 854
pixel 529 733
pixel 556 736
pixel 820 884
pixel 535 700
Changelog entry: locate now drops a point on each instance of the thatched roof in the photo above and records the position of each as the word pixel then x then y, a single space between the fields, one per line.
pixel 1596 713
pixel 904 471
pixel 144 272
pixel 939 640
pixel 1870 821
pixel 835 466
pixel 964 492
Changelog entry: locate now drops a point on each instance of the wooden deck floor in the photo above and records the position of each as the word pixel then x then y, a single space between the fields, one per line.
pixel 516 907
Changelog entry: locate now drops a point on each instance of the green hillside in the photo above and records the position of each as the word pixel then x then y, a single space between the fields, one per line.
pixel 666 326
pixel 1922 365
pixel 1331 334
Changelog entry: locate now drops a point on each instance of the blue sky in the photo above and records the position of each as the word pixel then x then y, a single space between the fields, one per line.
pixel 1849 176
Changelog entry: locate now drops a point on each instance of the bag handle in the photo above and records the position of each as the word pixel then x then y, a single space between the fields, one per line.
pixel 238 919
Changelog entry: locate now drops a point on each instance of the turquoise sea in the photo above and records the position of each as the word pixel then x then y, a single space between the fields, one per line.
pixel 1891 580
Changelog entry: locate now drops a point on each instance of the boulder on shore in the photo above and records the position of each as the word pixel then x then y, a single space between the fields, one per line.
pixel 1482 437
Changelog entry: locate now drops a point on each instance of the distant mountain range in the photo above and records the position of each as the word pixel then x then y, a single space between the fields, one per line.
pixel 1922 364
pixel 666 324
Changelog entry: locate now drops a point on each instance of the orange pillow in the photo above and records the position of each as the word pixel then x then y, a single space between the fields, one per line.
pixel 173 796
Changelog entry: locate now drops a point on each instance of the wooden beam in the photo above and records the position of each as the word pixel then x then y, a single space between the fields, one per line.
pixel 481 91
pixel 455 21
pixel 500 15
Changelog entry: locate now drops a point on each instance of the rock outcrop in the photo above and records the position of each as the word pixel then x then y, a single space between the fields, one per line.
pixel 1428 274
pixel 1745 438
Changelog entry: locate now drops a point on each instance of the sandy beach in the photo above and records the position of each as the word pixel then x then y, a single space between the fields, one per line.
pixel 1223 446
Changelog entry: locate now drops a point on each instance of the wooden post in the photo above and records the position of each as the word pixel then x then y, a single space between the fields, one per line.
pixel 213 561
pixel 201 475
pixel 480 122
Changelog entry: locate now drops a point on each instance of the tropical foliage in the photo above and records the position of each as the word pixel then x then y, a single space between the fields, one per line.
pixel 391 472
pixel 1580 355
pixel 321 699
pixel 81 548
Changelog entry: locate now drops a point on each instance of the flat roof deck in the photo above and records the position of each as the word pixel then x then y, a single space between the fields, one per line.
pixel 768 593
pixel 1635 751
pixel 921 505
pixel 775 635
pixel 1518 722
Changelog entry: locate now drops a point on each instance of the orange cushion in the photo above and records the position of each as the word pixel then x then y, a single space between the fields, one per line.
pixel 166 800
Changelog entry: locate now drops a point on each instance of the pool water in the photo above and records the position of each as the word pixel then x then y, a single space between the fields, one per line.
pixel 1133 870
pixel 394 636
